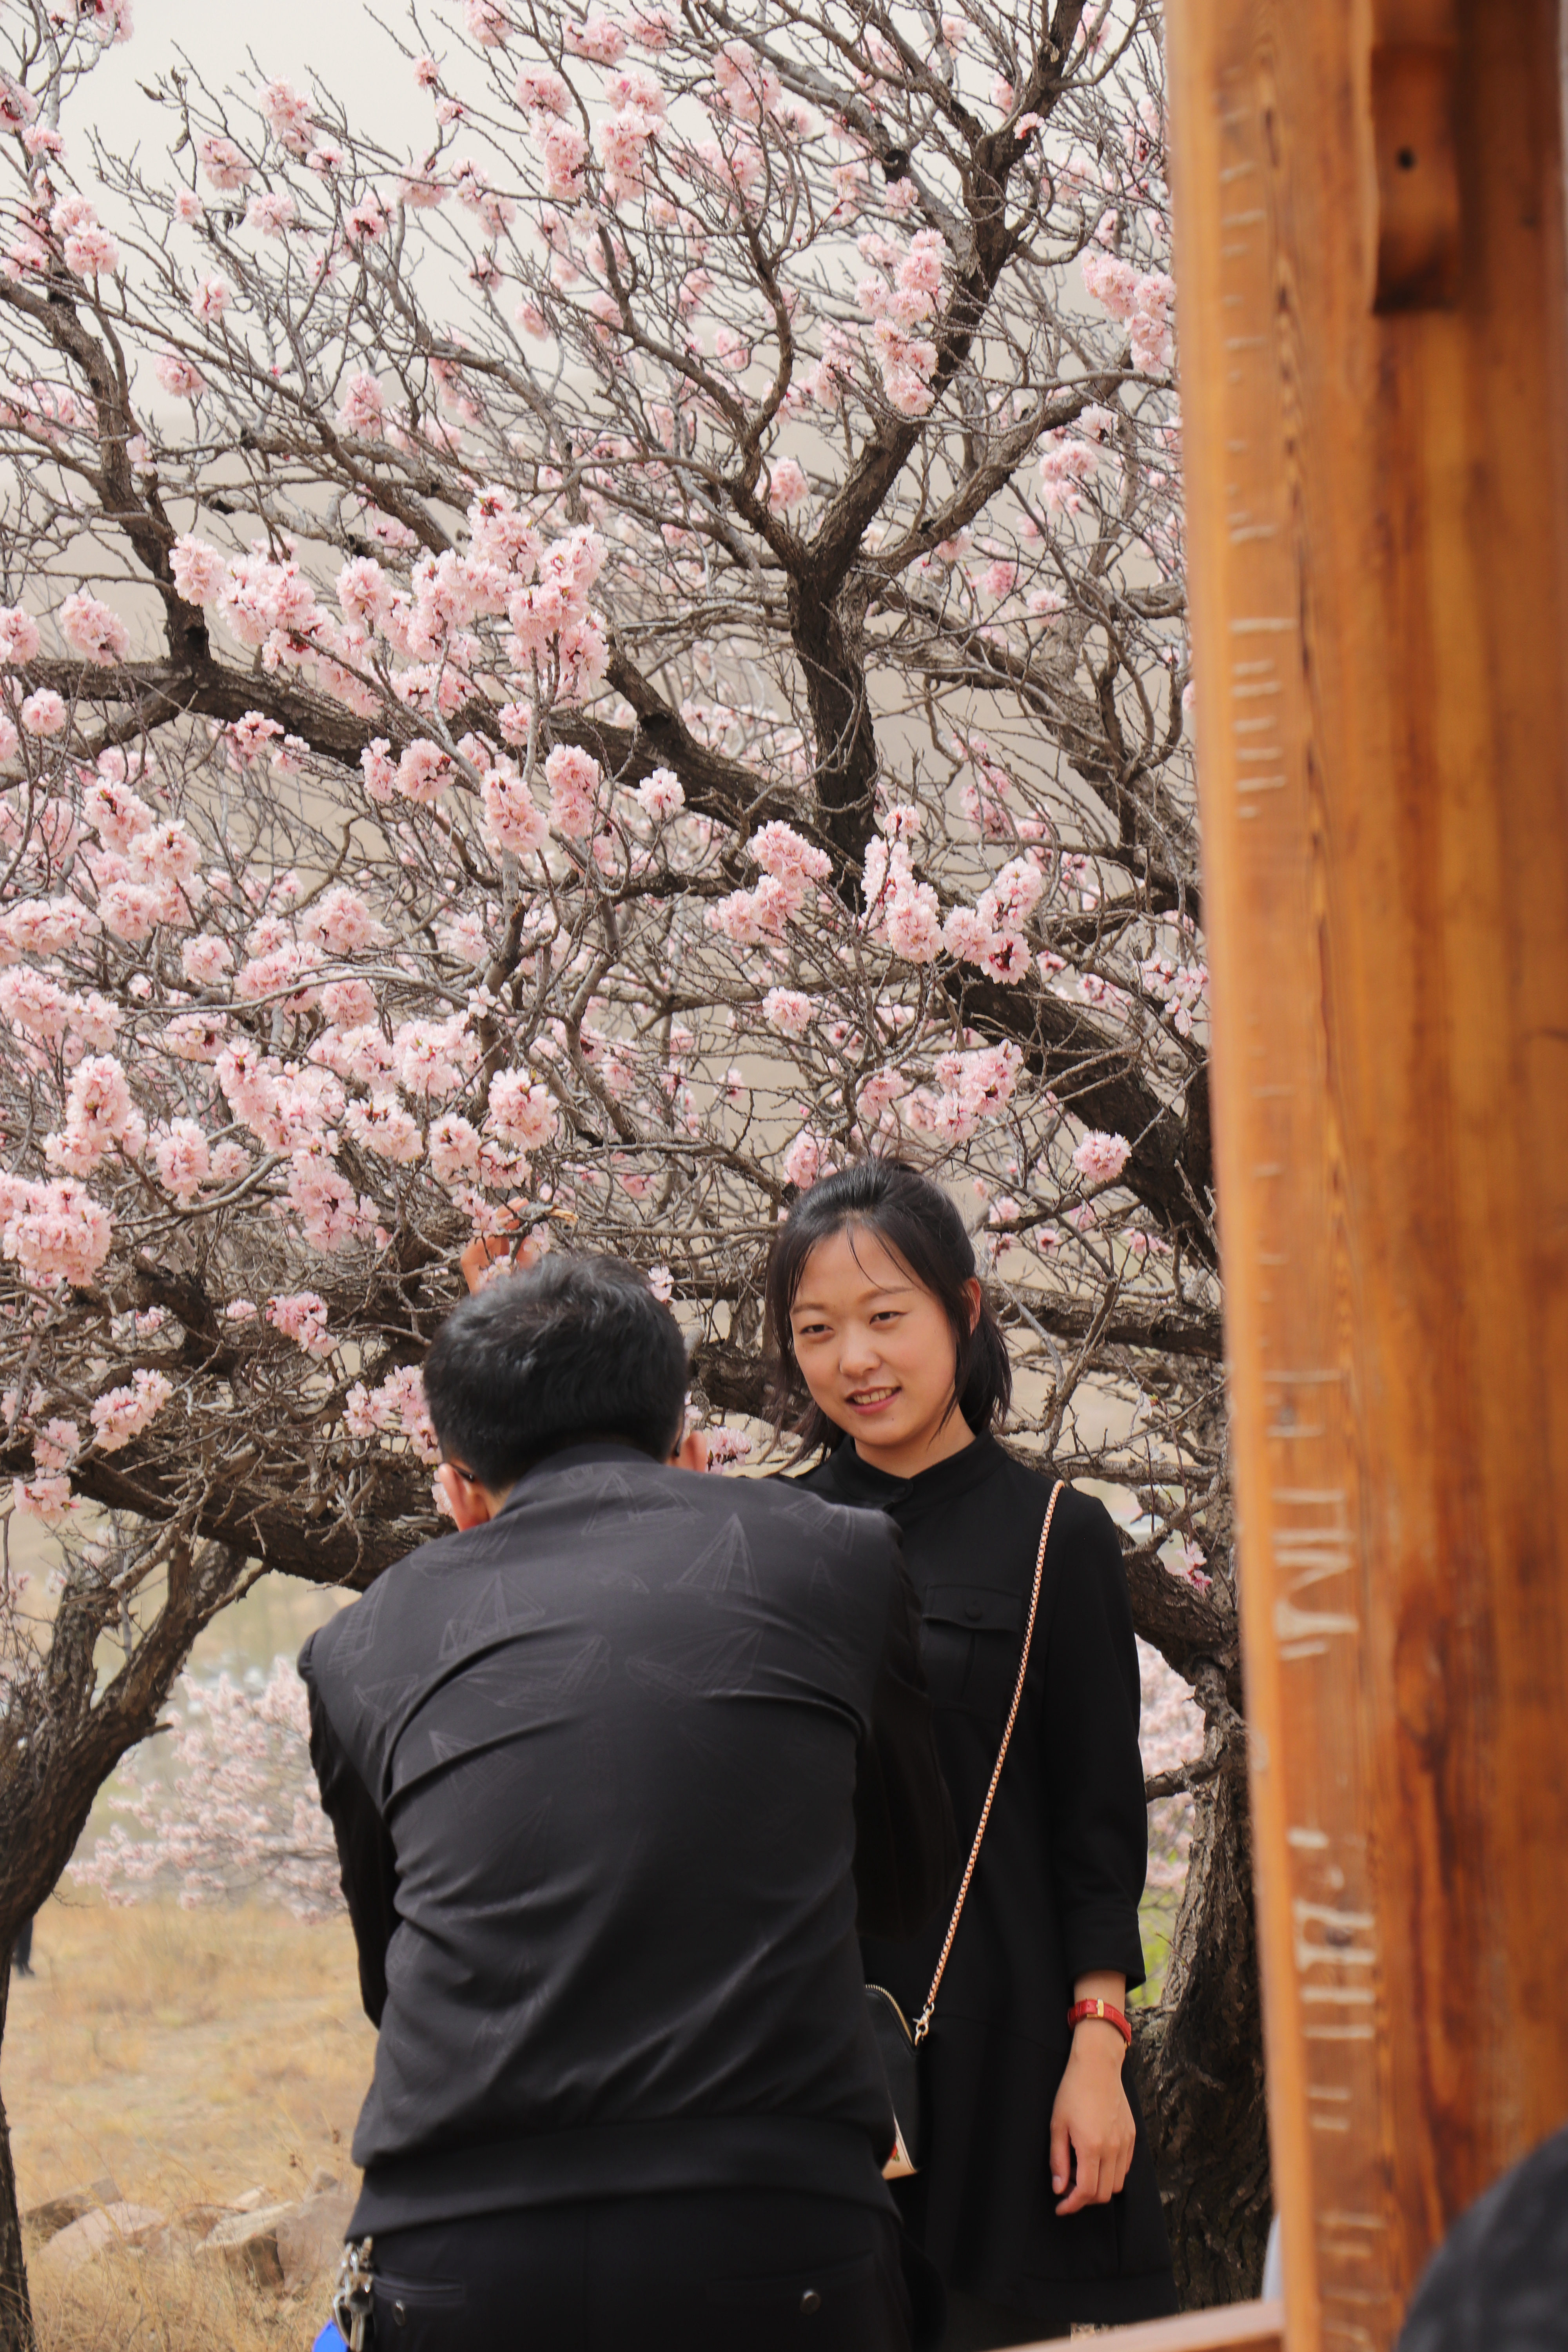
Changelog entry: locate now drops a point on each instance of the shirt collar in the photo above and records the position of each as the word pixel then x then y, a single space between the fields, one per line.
pixel 589 1449
pixel 851 1480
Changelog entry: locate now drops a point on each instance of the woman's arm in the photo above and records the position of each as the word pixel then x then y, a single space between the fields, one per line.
pixel 1099 1836
pixel 1092 2133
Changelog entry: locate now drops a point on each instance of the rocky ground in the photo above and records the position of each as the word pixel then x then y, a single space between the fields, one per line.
pixel 182 2088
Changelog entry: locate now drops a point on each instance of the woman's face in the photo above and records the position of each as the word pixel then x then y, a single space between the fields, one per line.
pixel 876 1352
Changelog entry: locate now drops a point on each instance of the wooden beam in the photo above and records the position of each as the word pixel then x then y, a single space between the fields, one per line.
pixel 1239 2327
pixel 1378 502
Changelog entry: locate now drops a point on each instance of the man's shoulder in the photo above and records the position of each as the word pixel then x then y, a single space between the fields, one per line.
pixel 350 1636
pixel 788 1504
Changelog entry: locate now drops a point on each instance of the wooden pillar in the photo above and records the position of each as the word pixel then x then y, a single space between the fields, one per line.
pixel 1370 266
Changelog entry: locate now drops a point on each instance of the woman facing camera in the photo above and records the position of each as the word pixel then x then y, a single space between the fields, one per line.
pixel 1036 2199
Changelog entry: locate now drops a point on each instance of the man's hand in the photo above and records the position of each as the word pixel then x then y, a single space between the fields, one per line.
pixel 1092 2120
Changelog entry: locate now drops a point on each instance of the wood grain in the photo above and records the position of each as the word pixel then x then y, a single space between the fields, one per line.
pixel 1378 531
pixel 1239 2327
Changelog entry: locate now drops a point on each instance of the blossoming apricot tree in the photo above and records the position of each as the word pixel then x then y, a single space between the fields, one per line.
pixel 569 682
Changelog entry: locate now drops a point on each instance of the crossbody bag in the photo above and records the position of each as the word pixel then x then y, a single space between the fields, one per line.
pixel 899 2041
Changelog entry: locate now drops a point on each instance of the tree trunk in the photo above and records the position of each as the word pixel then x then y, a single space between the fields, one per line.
pixel 16 2308
pixel 1200 2059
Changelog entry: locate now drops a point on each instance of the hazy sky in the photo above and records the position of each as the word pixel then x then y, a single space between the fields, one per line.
pixel 336 39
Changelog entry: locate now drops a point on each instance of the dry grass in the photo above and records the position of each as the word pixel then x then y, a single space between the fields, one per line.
pixel 192 2055
pixel 125 2303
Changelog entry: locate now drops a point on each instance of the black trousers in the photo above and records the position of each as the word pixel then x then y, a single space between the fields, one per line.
pixel 723 2269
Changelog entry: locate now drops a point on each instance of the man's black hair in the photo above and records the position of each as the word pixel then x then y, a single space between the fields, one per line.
pixel 577 1348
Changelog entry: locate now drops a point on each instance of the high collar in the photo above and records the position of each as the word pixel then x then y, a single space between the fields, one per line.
pixel 848 1479
pixel 567 1457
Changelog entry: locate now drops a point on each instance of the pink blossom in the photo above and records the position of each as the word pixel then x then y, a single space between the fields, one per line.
pixel 240 1310
pixel 879 1092
pixel 36 1004
pixel 198 570
pixel 323 1202
pixel 180 379
pixel 57 1444
pixel 380 773
pixel 424 773
pixel 289 114
pixel 788 1010
pixel 99 1110
pixel 206 959
pixel 45 1499
pixel 601 38
pixel 182 1159
pixel 19 638
pixel 301 1316
pixel 211 299
pixel 513 824
pixel 661 795
pixel 93 630
pixel 786 855
pixel 661 1282
pixel 487 23
pixel 44 713
pixel 521 1110
pixel 1100 1158
pixel 805 1160
pixel 564 152
pixel 787 487
pixel 272 211
pixel 224 165
pixel 340 922
pixel 348 1003
pixel 45 926
pixel 454 1148
pixel 92 252
pixel 383 1126
pixel 541 91
pixel 575 780
pixel 433 1056
pixel 123 1414
pixel 363 409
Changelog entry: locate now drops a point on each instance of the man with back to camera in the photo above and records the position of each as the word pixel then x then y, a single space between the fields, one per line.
pixel 612 1769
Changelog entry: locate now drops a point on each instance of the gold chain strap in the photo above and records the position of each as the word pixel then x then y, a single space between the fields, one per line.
pixel 923 2023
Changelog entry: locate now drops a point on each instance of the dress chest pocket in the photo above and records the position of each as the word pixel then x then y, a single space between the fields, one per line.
pixel 970 1647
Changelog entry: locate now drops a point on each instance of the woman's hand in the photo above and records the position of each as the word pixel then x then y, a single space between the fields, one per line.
pixel 481 1255
pixel 1091 2119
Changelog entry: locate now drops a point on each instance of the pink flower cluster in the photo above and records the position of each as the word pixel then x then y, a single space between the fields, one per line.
pixel 1143 299
pixel 55 1231
pixel 396 1407
pixel 792 866
pixel 100 1114
pixel 301 1316
pixel 1100 1157
pixel 972 1085
pixel 123 1414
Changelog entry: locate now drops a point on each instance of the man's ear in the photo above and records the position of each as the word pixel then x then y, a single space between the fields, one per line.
pixel 468 1503
pixel 692 1453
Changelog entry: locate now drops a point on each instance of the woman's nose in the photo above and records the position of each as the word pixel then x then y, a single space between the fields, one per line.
pixel 858 1353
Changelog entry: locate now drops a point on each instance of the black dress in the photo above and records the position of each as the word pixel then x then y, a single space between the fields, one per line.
pixel 1057 1891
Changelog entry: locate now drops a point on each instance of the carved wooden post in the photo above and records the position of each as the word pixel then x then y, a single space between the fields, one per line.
pixel 1370 257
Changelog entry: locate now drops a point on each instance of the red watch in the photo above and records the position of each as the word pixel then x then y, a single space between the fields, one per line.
pixel 1082 2009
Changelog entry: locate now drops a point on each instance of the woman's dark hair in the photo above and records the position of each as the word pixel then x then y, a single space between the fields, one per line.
pixel 915 1219
pixel 578 1346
